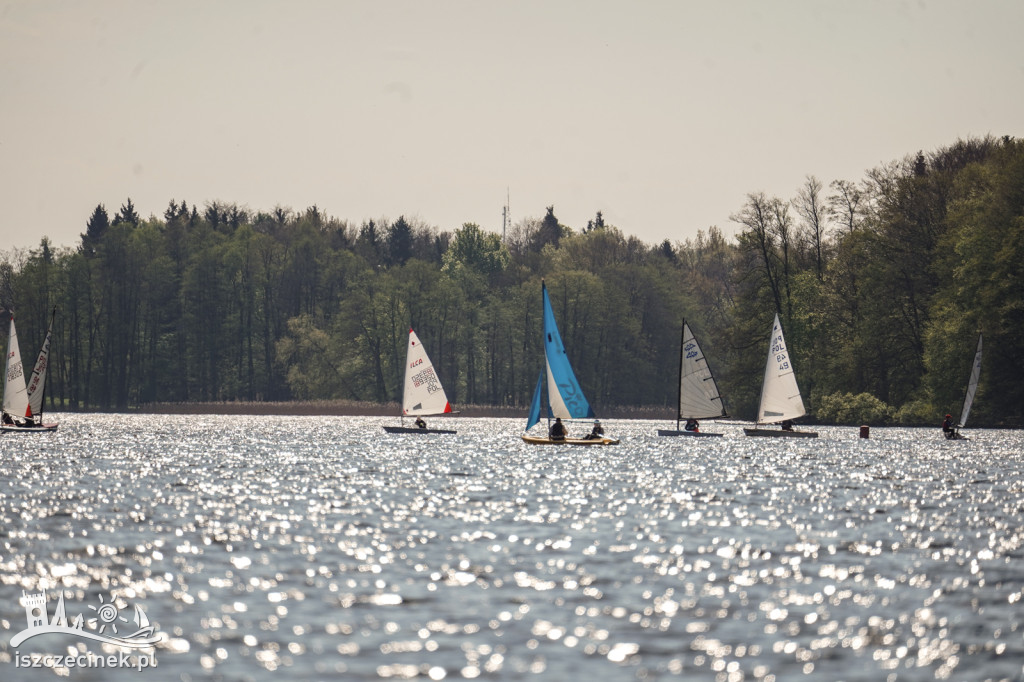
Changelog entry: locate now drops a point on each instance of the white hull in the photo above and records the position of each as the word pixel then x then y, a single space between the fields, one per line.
pixel 14 428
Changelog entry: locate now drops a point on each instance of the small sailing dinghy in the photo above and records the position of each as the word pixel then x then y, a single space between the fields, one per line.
pixel 698 393
pixel 565 397
pixel 972 388
pixel 780 396
pixel 423 395
pixel 23 404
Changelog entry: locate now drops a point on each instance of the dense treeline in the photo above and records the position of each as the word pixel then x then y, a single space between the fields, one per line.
pixel 882 286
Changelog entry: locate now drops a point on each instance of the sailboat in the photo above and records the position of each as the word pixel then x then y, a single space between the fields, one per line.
pixel 565 397
pixel 23 404
pixel 780 396
pixel 698 393
pixel 972 388
pixel 423 395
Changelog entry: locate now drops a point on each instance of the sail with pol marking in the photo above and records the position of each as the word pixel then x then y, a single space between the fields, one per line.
pixel 423 394
pixel 780 396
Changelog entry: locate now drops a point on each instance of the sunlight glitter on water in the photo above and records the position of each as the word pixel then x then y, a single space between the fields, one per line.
pixel 324 547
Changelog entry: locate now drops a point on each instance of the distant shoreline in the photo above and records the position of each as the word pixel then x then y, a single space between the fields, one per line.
pixel 348 408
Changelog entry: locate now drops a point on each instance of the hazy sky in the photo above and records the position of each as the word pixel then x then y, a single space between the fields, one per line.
pixel 662 115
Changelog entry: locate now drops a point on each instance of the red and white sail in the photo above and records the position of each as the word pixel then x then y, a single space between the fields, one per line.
pixel 423 394
pixel 37 382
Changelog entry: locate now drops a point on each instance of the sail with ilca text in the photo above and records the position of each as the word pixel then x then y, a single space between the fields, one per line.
pixel 423 394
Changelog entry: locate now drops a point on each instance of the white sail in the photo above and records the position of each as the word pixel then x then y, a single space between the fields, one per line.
pixel 423 393
pixel 972 386
pixel 698 393
pixel 15 391
pixel 780 396
pixel 37 382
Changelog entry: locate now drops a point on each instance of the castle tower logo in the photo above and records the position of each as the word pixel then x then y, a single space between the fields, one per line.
pixel 103 626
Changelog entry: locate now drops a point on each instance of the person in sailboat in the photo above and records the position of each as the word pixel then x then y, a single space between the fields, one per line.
pixel 692 425
pixel 787 424
pixel 948 429
pixel 421 422
pixel 597 432
pixel 557 430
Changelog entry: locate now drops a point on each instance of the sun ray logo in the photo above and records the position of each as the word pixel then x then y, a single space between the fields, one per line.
pixel 107 617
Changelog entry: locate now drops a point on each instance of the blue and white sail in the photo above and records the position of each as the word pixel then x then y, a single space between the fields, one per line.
pixel 565 397
pixel 535 404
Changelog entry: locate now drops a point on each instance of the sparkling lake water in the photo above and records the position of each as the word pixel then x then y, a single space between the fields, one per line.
pixel 323 548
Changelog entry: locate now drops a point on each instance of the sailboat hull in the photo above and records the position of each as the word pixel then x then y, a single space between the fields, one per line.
pixel 779 433
pixel 690 434
pixel 543 440
pixel 14 428
pixel 414 429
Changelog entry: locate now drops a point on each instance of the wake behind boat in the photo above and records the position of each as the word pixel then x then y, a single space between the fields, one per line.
pixel 23 404
pixel 565 399
pixel 423 395
pixel 780 396
pixel 698 396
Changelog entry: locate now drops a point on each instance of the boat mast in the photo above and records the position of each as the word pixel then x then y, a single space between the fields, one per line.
pixel 679 384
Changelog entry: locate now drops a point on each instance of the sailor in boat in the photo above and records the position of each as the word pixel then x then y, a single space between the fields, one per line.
pixel 9 421
pixel 787 424
pixel 557 430
pixel 947 427
pixel 692 425
pixel 421 423
pixel 597 432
